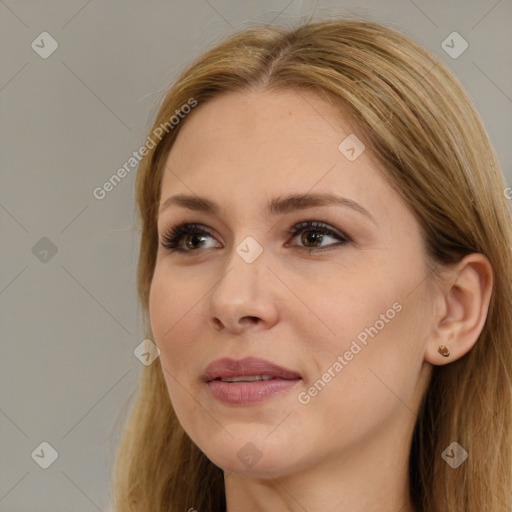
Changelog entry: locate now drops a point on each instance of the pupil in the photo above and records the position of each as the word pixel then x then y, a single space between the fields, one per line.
pixel 312 236
pixel 192 240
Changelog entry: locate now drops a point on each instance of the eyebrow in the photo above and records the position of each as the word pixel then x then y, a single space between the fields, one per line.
pixel 276 206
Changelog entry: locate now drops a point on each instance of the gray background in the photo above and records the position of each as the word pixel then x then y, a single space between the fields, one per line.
pixel 70 320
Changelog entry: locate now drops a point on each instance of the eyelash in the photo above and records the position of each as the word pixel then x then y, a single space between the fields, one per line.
pixel 171 239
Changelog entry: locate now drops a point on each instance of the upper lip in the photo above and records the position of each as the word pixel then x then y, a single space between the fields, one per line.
pixel 227 367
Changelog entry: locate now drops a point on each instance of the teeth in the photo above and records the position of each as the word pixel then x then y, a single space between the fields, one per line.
pixel 247 378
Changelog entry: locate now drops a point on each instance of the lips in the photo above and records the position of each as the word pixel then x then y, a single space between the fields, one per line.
pixel 227 368
pixel 248 381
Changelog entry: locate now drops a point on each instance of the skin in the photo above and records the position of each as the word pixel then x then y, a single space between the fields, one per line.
pixel 347 449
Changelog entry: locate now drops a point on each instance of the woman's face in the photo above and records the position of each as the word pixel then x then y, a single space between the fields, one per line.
pixel 341 303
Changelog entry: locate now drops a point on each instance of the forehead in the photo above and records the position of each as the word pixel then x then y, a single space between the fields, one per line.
pixel 298 119
pixel 248 146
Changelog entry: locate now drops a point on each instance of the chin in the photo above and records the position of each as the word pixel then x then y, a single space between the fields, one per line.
pixel 252 459
pixel 250 465
pixel 245 448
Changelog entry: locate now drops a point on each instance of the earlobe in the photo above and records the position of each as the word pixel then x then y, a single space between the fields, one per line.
pixel 463 304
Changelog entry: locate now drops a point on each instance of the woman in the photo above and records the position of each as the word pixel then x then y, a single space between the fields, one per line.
pixel 325 268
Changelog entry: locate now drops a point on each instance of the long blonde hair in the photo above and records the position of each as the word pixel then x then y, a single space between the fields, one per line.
pixel 422 126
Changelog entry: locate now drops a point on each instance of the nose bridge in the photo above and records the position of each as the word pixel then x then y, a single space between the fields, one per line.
pixel 245 266
pixel 240 280
pixel 244 289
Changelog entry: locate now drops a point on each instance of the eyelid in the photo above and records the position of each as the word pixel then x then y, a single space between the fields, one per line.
pixel 316 225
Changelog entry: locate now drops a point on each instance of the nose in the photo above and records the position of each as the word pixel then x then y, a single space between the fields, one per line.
pixel 243 298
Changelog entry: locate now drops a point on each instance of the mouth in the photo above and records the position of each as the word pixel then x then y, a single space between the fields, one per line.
pixel 249 380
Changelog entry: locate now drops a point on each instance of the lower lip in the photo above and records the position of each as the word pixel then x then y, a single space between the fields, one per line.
pixel 246 393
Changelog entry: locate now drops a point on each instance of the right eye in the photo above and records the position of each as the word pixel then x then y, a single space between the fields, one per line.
pixel 187 235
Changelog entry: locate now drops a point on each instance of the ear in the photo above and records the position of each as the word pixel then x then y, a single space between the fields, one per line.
pixel 462 303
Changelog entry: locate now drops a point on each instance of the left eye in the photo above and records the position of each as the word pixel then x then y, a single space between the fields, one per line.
pixel 314 233
pixel 184 237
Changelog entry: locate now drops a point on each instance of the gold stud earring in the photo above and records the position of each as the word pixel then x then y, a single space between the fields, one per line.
pixel 444 350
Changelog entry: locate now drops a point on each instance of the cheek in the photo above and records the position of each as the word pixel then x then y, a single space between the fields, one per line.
pixel 175 327
pixel 162 308
pixel 173 316
pixel 353 302
pixel 373 318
